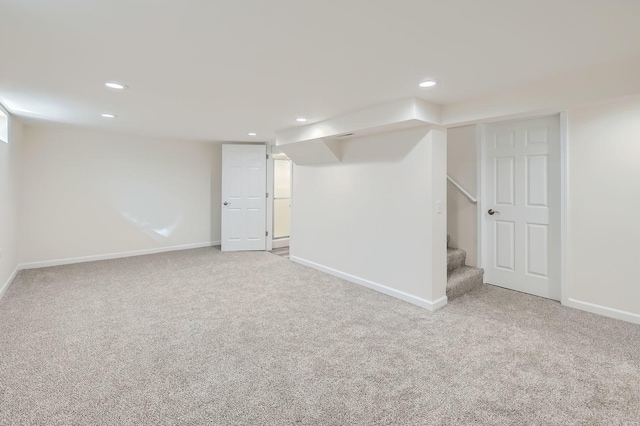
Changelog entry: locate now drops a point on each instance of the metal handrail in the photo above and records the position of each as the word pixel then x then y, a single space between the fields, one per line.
pixel 466 194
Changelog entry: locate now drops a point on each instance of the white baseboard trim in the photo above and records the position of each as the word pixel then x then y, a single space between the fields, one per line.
pixel 280 242
pixel 423 303
pixel 603 310
pixel 7 284
pixel 69 261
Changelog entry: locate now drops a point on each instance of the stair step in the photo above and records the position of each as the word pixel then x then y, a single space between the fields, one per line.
pixel 463 280
pixel 455 258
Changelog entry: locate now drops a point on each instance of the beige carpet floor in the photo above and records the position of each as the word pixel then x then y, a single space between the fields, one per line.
pixel 204 337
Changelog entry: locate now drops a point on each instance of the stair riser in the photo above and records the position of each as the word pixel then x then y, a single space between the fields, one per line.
pixel 456 260
pixel 459 287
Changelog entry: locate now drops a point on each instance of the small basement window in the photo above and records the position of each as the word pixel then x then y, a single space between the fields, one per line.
pixel 4 127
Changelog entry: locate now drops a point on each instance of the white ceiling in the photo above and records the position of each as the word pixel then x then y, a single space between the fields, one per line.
pixel 218 69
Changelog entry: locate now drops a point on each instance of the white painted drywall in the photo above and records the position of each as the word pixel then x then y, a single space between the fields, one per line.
pixel 9 177
pixel 550 94
pixel 462 167
pixel 87 193
pixel 603 242
pixel 387 117
pixel 372 216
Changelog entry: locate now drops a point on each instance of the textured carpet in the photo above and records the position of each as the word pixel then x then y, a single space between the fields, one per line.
pixel 204 337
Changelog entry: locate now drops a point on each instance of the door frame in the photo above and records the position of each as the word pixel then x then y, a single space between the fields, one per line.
pixel 481 162
pixel 270 166
pixel 284 241
pixel 271 148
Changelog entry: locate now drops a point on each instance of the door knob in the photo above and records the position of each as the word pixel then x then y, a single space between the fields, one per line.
pixel 225 203
pixel 492 212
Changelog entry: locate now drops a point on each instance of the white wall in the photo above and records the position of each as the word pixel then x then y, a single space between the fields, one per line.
pixel 371 218
pixel 603 242
pixel 86 193
pixel 550 94
pixel 462 166
pixel 9 177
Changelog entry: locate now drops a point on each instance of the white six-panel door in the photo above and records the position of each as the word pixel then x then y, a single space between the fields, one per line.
pixel 521 206
pixel 244 174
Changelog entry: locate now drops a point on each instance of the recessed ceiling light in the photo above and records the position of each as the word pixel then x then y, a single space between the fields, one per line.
pixel 428 83
pixel 115 85
pixel 107 115
pixel 252 134
pixel 301 119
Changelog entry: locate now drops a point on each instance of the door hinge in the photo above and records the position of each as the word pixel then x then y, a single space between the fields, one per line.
pixel 267 156
pixel 267 195
pixel 266 233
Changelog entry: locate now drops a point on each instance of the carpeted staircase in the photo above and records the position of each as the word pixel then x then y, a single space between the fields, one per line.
pixel 460 277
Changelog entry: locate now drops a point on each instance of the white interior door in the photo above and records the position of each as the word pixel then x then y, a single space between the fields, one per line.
pixel 244 183
pixel 521 206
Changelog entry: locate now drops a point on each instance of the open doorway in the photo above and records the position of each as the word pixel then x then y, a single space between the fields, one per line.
pixel 282 168
pixel 463 273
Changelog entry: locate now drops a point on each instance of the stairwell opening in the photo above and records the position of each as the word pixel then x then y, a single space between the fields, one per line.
pixel 463 274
